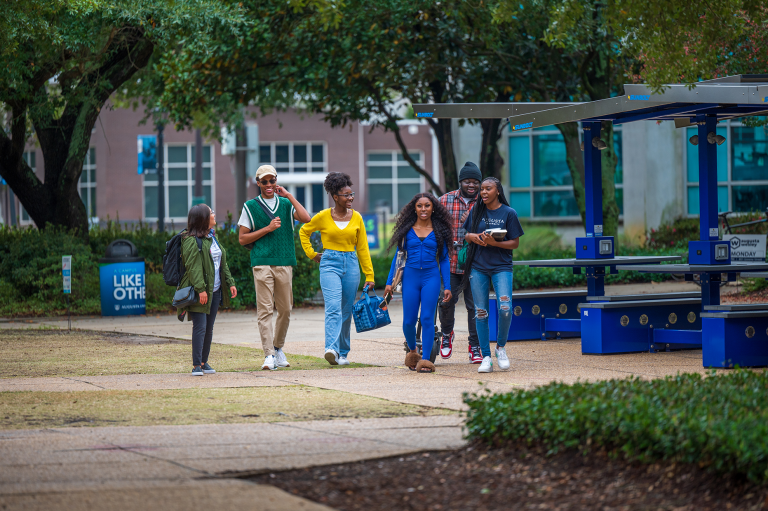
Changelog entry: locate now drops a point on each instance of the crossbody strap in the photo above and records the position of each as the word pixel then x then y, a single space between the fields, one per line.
pixel 266 209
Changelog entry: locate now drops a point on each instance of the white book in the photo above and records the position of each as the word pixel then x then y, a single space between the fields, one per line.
pixel 498 234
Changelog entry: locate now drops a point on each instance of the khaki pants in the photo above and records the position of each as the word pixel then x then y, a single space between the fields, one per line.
pixel 274 291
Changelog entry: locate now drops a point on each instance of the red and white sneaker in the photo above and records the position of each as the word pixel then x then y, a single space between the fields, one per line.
pixel 475 356
pixel 446 346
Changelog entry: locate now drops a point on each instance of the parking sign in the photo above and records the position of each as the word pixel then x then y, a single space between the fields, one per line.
pixel 66 272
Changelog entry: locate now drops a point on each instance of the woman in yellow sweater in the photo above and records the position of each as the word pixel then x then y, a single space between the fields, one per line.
pixel 345 245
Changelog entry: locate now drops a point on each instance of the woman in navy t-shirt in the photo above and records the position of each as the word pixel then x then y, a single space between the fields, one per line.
pixel 489 261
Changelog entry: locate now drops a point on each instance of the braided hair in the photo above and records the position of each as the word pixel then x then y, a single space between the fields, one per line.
pixel 478 212
pixel 442 223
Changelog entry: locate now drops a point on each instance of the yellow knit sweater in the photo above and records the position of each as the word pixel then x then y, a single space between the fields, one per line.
pixel 349 239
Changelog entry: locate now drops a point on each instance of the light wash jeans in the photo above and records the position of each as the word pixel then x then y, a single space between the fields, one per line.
pixel 502 284
pixel 339 280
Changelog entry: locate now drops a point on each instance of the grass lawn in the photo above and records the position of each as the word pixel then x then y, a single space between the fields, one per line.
pixel 35 353
pixel 33 410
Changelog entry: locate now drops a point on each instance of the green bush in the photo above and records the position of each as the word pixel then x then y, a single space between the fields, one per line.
pixel 720 421
pixel 31 280
pixel 676 234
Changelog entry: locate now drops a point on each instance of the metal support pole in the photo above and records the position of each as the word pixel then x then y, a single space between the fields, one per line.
pixel 198 197
pixel 241 157
pixel 593 181
pixel 710 289
pixel 707 179
pixel 160 178
pixel 595 280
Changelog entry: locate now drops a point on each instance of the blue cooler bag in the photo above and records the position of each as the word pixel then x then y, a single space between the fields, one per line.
pixel 367 313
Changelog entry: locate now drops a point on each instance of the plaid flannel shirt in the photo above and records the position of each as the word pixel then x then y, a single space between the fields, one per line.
pixel 456 206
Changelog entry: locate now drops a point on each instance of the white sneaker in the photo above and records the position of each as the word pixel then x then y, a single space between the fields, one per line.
pixel 269 363
pixel 332 357
pixel 280 360
pixel 486 366
pixel 343 361
pixel 501 358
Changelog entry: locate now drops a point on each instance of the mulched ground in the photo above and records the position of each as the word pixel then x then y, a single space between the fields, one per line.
pixel 479 478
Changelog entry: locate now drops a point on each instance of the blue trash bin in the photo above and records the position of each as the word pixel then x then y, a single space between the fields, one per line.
pixel 122 280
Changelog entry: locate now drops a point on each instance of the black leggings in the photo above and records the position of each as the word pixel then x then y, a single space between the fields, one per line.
pixel 202 330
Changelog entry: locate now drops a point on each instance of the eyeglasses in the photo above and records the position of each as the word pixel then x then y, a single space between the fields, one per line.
pixel 347 195
pixel 266 182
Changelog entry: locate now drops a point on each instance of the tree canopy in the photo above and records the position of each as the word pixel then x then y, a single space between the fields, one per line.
pixel 62 61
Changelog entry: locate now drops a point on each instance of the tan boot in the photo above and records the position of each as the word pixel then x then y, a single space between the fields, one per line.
pixel 425 366
pixel 411 359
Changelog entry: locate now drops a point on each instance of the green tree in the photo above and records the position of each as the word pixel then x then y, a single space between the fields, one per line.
pixel 62 62
pixel 591 53
pixel 676 40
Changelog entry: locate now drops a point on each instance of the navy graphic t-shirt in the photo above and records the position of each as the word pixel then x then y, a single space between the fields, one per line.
pixel 495 259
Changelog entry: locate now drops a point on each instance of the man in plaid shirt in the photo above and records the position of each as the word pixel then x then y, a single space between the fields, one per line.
pixel 459 203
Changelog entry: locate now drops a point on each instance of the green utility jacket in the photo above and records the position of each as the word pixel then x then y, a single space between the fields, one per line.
pixel 199 273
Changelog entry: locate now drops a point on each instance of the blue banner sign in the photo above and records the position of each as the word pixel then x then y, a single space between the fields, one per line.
pixel 371 221
pixel 147 154
pixel 123 289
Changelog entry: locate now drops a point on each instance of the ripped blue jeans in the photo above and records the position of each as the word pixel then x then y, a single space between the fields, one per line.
pixel 502 283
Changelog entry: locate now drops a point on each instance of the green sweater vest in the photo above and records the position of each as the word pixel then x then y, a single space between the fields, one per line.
pixel 277 247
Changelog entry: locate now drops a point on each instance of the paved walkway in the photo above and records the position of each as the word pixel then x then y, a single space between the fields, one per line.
pixel 179 467
pixel 169 467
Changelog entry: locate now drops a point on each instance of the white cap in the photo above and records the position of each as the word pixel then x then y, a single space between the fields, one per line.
pixel 265 170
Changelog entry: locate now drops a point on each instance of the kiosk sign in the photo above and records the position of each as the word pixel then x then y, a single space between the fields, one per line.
pixel 123 289
pixel 746 248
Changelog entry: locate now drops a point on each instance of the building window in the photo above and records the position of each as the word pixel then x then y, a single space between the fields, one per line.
pixel 31 160
pixel 301 168
pixel 87 184
pixel 179 183
pixel 392 182
pixel 540 181
pixel 742 169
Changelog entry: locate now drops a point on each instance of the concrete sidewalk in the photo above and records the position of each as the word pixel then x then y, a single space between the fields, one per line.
pixel 57 468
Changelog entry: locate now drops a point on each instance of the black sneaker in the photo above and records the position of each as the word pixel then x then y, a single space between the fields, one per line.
pixel 446 345
pixel 208 369
pixel 197 371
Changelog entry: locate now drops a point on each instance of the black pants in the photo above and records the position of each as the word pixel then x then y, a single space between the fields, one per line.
pixel 448 310
pixel 202 330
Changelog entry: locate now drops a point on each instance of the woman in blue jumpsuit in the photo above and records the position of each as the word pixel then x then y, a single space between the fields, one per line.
pixel 424 232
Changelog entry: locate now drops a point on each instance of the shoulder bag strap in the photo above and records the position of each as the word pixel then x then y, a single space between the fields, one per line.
pixel 266 209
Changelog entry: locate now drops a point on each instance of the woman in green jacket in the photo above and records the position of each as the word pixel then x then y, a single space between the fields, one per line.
pixel 206 270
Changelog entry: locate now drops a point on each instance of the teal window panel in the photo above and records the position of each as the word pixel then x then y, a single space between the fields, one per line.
pixel 380 195
pixel 519 162
pixel 150 201
pixel 521 202
pixel 317 197
pixel 178 201
pixel 692 153
pixel 555 203
pixel 618 146
pixel 550 167
pixel 177 154
pixel 750 198
pixel 406 171
pixel 406 192
pixel 749 154
pixel 693 199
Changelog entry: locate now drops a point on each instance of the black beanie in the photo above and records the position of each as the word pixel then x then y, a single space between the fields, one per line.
pixel 470 171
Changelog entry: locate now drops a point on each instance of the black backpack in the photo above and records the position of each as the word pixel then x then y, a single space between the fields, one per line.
pixel 173 267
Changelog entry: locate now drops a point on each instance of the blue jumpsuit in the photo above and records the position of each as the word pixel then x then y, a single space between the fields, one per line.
pixel 421 287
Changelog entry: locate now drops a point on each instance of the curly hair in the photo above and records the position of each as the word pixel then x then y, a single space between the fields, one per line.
pixel 335 181
pixel 478 212
pixel 442 223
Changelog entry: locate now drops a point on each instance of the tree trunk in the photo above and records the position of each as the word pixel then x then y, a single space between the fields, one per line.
pixel 491 161
pixel 65 140
pixel 442 129
pixel 575 159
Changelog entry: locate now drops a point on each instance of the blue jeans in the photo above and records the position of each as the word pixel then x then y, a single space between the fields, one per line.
pixel 502 284
pixel 339 280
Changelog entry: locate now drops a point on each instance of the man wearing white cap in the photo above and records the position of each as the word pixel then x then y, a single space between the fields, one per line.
pixel 267 223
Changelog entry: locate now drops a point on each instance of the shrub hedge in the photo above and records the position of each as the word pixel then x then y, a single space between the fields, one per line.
pixel 30 268
pixel 719 421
